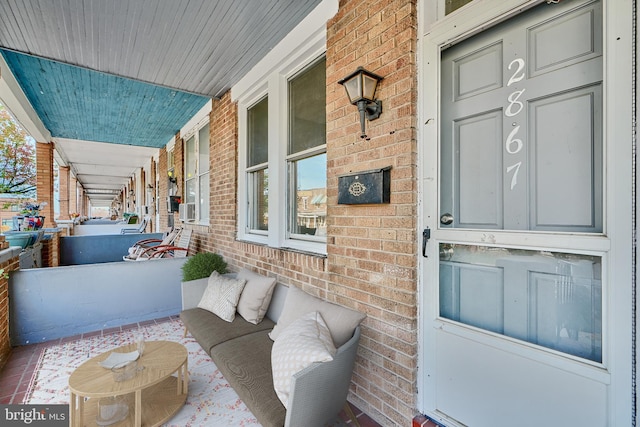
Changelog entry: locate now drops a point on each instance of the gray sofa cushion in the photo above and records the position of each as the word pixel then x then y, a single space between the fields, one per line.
pixel 246 363
pixel 209 330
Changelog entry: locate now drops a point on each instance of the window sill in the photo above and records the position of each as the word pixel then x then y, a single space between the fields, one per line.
pixel 308 248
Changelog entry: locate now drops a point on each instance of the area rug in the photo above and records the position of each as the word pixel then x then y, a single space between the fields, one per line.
pixel 211 400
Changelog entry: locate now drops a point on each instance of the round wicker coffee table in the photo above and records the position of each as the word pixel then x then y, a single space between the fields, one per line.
pixel 153 395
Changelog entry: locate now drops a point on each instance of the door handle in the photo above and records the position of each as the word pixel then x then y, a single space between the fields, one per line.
pixel 426 235
pixel 446 219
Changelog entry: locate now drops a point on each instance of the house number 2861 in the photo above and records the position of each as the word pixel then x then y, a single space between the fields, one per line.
pixel 513 144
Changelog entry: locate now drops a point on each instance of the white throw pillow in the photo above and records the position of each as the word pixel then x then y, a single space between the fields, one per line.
pixel 222 295
pixel 256 295
pixel 303 342
pixel 341 321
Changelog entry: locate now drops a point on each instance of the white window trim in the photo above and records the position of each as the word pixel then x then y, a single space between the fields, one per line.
pixel 300 48
pixel 191 129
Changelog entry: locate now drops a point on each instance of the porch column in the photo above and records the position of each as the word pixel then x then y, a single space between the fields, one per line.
pixel 86 206
pixel 44 180
pixel 73 194
pixel 82 210
pixel 64 191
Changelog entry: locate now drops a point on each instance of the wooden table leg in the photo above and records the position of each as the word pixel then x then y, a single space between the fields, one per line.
pixel 72 411
pixel 80 410
pixel 185 377
pixel 138 419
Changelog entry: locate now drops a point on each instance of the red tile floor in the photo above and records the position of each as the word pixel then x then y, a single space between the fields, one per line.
pixel 16 376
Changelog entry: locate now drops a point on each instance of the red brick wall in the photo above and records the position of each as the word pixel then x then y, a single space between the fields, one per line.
pixel 372 260
pixel 64 189
pixel 51 250
pixel 44 178
pixel 151 201
pixel 73 195
pixel 163 189
pixel 12 264
pixel 178 169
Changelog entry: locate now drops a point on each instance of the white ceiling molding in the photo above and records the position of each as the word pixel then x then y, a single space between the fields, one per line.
pixel 14 99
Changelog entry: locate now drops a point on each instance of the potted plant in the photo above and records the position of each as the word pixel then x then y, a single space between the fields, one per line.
pixel 30 215
pixel 201 265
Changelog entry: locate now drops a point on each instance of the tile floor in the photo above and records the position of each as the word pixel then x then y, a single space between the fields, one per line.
pixel 17 374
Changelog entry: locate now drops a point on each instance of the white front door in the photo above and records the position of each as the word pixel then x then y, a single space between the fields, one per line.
pixel 523 280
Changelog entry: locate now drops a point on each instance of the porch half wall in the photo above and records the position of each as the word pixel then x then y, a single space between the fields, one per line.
pixel 51 303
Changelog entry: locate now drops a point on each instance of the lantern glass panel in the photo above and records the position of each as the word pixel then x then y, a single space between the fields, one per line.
pixel 369 86
pixel 354 89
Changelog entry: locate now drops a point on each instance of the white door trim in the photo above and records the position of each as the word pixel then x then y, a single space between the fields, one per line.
pixel 618 67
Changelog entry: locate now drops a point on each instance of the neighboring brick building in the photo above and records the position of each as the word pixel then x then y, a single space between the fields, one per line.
pixel 10 206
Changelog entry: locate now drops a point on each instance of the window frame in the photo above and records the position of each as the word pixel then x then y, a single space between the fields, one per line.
pixel 251 173
pixel 273 82
pixel 199 174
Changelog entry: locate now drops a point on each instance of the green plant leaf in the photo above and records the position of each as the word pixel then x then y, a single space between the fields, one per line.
pixel 201 265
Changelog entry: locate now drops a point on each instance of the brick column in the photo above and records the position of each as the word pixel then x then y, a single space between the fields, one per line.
pixel 51 250
pixel 73 194
pixel 44 180
pixel 178 168
pixel 64 190
pixel 152 200
pixel 163 188
pixel 10 262
pixel 378 269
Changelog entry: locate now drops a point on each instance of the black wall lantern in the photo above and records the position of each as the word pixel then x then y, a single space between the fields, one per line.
pixel 172 179
pixel 361 89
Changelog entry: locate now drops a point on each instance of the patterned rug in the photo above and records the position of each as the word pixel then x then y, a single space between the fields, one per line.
pixel 211 400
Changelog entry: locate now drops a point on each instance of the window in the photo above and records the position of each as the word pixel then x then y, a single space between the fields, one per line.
pixel 257 171
pixel 282 170
pixel 283 146
pixel 196 170
pixel 453 5
pixel 306 153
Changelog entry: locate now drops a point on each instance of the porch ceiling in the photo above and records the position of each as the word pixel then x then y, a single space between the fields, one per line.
pixel 132 72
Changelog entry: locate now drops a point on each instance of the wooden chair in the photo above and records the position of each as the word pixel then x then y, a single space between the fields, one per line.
pixel 179 250
pixel 141 245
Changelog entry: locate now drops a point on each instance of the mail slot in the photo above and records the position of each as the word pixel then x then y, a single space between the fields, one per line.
pixel 367 187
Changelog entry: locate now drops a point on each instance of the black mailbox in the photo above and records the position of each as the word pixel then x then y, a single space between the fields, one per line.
pixel 368 187
pixel 173 203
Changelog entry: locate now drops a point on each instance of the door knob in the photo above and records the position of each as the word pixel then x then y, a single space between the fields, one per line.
pixel 446 219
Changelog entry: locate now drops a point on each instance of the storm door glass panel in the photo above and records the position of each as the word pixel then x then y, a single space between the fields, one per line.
pixel 453 5
pixel 550 299
pixel 257 171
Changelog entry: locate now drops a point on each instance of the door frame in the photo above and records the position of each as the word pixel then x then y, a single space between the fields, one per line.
pixel 618 185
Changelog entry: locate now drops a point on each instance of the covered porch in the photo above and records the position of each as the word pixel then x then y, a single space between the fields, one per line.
pixel 115 117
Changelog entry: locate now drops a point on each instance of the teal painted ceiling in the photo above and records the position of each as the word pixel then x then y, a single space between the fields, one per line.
pixel 78 103
pixel 113 80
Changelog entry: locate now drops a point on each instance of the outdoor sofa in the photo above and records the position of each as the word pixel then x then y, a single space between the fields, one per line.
pixel 242 349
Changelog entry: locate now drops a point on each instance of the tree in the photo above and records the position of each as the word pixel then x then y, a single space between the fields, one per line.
pixel 17 158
